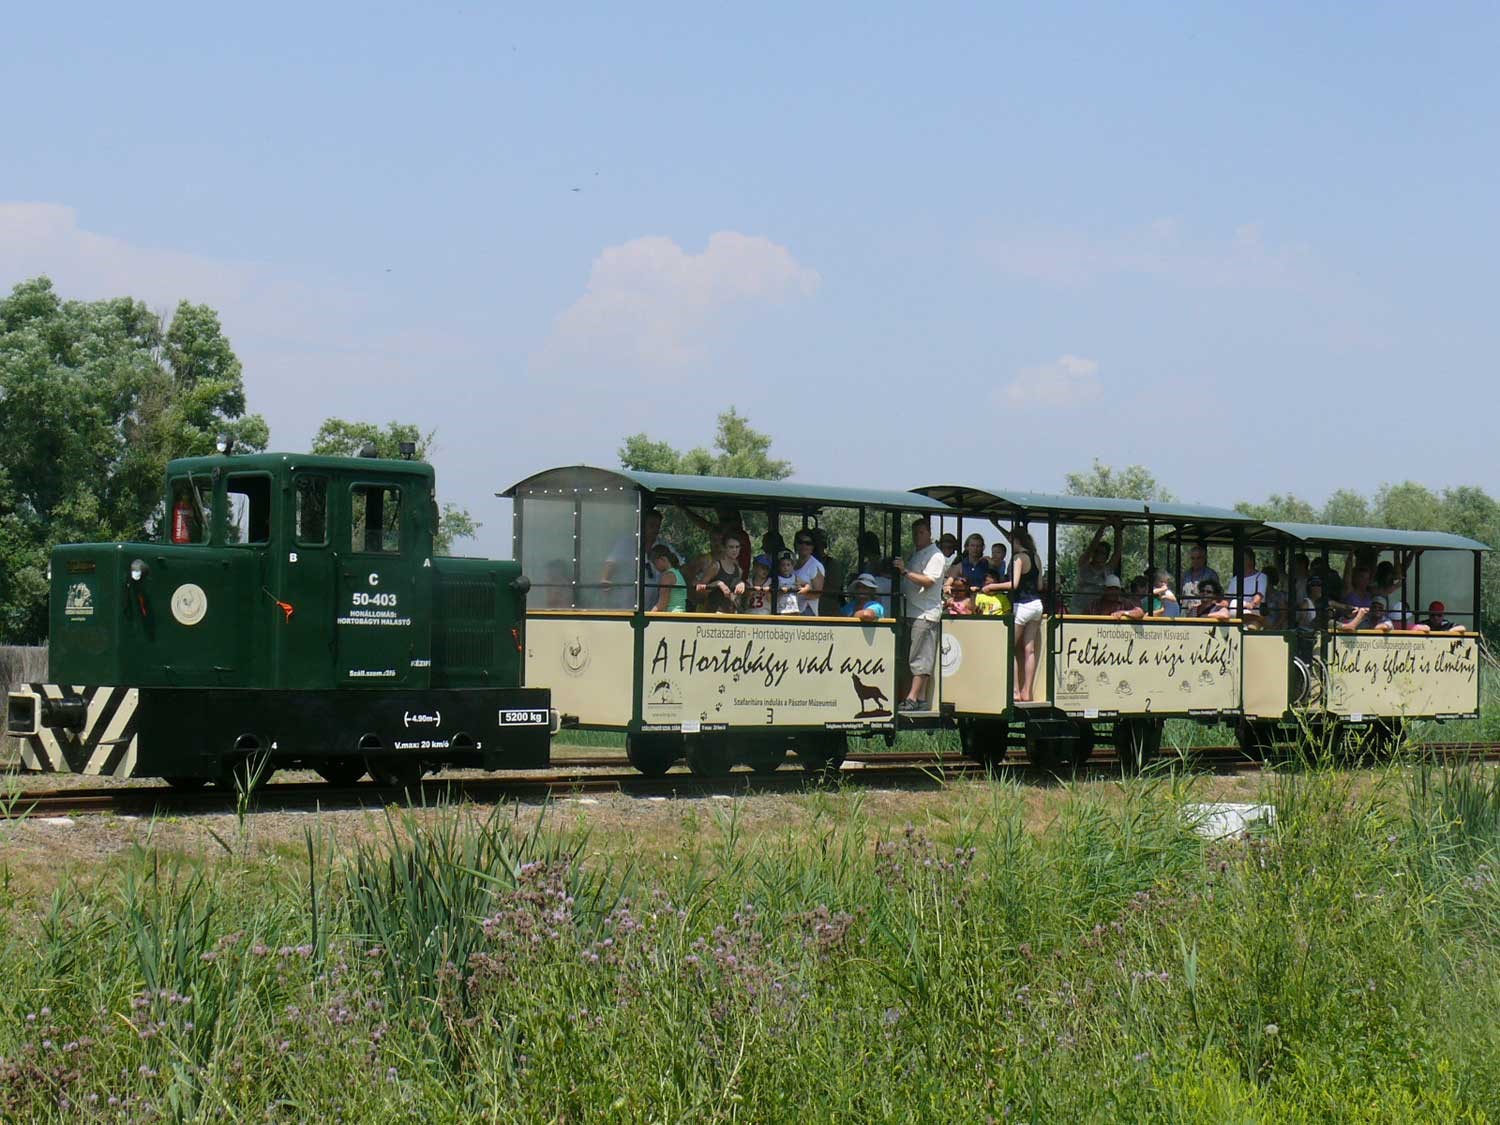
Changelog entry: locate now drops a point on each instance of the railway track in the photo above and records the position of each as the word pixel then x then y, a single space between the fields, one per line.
pixel 608 774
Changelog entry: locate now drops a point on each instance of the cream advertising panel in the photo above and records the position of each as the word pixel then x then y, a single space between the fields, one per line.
pixel 1267 665
pixel 710 672
pixel 586 661
pixel 1403 674
pixel 1146 667
pixel 976 655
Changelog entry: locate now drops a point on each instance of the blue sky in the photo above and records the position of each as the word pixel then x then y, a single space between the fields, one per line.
pixel 914 244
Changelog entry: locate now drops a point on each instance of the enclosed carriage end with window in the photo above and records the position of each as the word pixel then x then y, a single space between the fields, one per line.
pixel 1102 675
pixel 742 684
pixel 291 607
pixel 1364 675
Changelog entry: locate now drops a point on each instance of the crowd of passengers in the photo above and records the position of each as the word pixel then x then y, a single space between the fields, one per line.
pixel 974 581
pixel 934 578
pixel 1365 596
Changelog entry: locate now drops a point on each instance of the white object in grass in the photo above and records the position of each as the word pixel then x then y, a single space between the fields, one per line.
pixel 1219 819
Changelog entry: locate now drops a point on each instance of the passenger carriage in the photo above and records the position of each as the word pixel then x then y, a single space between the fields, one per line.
pixel 714 688
pixel 1363 686
pixel 1100 678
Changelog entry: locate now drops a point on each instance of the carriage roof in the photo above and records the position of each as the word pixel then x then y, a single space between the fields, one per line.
pixel 738 492
pixel 1335 535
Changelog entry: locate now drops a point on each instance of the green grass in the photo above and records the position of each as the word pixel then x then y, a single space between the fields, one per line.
pixel 1179 734
pixel 1342 965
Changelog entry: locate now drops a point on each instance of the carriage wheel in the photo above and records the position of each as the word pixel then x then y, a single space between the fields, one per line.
pixel 1083 745
pixel 340 771
pixel 822 753
pixel 653 754
pixel 984 740
pixel 186 784
pixel 1256 739
pixel 1137 741
pixel 765 755
pixel 710 755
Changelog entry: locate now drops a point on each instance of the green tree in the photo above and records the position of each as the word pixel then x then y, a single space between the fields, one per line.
pixel 738 450
pixel 1347 508
pixel 95 398
pixel 1284 508
pixel 1409 505
pixel 337 437
pixel 1133 482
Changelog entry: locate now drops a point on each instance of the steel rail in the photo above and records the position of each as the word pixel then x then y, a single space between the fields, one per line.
pixel 865 770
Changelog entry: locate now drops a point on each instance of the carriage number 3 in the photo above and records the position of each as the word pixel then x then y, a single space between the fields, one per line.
pixel 770 715
pixel 387 600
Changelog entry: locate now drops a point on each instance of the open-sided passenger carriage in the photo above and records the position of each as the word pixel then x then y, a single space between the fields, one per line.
pixel 1099 678
pixel 717 689
pixel 1356 690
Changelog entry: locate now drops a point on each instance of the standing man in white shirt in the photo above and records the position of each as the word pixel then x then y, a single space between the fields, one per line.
pixel 922 602
pixel 1247 590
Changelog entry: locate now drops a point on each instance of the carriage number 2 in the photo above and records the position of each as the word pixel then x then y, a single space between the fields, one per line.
pixel 387 600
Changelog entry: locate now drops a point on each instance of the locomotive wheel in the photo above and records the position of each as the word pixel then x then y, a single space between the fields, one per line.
pixel 822 753
pixel 396 773
pixel 186 784
pixel 983 740
pixel 1137 741
pixel 247 773
pixel 710 755
pixel 653 754
pixel 341 771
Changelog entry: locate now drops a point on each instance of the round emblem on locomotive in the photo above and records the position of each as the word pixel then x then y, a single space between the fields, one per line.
pixel 575 655
pixel 189 603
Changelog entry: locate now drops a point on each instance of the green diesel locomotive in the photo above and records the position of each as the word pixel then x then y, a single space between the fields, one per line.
pixel 292 614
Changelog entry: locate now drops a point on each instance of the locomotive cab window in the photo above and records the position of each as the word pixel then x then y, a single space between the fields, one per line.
pixel 248 509
pixel 310 498
pixel 188 514
pixel 376 519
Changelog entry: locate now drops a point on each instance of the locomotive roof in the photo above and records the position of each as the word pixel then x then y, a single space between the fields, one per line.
pixel 1335 535
pixel 271 462
pixel 737 491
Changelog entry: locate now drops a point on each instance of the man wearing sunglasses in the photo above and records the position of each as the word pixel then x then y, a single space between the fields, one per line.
pixel 809 575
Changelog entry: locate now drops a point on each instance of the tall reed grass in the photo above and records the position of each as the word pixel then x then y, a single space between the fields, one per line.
pixel 1341 964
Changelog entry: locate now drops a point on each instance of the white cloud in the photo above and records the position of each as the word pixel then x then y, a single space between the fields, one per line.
pixel 1069 380
pixel 651 306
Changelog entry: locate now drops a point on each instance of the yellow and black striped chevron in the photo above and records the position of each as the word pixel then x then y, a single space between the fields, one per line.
pixel 104 746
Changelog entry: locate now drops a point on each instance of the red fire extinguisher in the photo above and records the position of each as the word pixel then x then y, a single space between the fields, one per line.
pixel 182 512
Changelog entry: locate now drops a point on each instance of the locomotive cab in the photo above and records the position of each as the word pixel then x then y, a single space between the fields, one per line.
pixel 271 571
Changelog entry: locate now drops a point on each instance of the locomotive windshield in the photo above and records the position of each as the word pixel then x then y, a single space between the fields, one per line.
pixel 192 500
